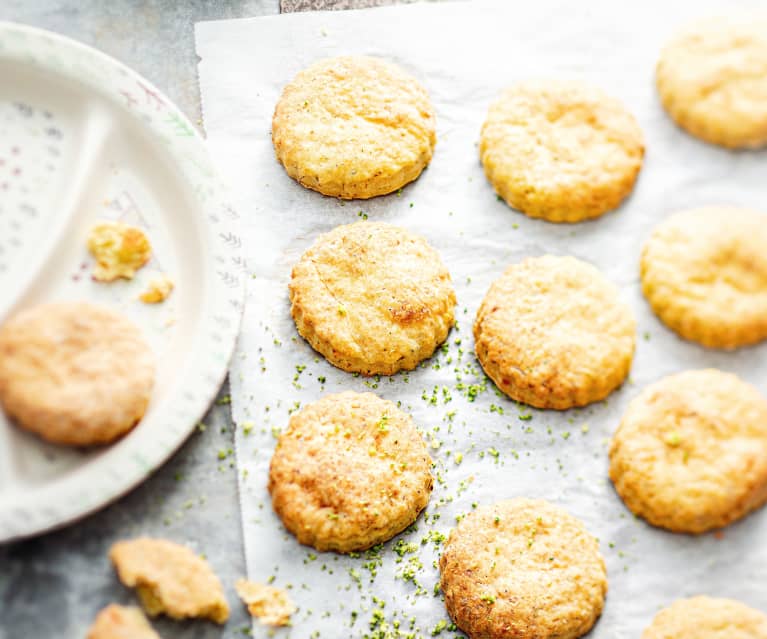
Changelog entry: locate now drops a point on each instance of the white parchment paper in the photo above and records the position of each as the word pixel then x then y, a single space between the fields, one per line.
pixel 465 54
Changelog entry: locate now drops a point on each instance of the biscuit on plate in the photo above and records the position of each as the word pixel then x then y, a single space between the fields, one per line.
pixel 704 273
pixel 690 454
pixel 707 618
pixel 551 332
pixel 74 373
pixel 271 606
pixel 712 79
pixel 372 298
pixel 121 622
pixel 561 151
pixel 170 579
pixel 522 568
pixel 354 127
pixel 349 472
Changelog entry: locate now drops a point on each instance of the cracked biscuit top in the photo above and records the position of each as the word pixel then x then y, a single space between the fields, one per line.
pixel 712 79
pixel 704 273
pixel 354 127
pixel 561 151
pixel 553 333
pixel 372 298
pixel 705 617
pixel 350 471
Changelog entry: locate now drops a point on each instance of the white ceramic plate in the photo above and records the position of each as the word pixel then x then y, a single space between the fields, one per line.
pixel 83 138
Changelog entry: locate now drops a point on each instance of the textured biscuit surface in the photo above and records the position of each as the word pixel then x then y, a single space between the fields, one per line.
pixel 349 472
pixel 120 250
pixel 704 273
pixel 169 578
pixel 372 298
pixel 561 151
pixel 690 454
pixel 354 127
pixel 552 333
pixel 707 618
pixel 712 79
pixel 522 568
pixel 271 606
pixel 74 373
pixel 121 622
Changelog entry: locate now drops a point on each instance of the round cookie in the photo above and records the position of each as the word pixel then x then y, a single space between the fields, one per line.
pixel 712 80
pixel 690 454
pixel 551 332
pixel 561 151
pixel 707 618
pixel 354 127
pixel 372 298
pixel 522 568
pixel 349 472
pixel 74 373
pixel 704 273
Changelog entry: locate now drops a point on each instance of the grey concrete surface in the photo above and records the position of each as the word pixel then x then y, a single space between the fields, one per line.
pixel 52 586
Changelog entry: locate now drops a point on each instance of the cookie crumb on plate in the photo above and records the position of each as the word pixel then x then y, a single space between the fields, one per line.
pixel 120 250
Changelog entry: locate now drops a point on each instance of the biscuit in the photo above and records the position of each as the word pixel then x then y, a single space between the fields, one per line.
pixel 522 568
pixel 121 622
pixel 712 79
pixel 707 618
pixel 271 606
pixel 169 578
pixel 120 250
pixel 704 273
pixel 690 454
pixel 74 373
pixel 372 298
pixel 561 151
pixel 551 332
pixel 354 127
pixel 349 472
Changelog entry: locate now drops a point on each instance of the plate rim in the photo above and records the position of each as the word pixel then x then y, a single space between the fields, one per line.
pixel 134 458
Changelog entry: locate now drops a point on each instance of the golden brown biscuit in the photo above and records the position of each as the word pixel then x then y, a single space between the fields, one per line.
pixel 120 250
pixel 707 618
pixel 372 298
pixel 169 578
pixel 522 568
pixel 690 454
pixel 561 151
pixel 121 622
pixel 74 373
pixel 712 79
pixel 354 127
pixel 551 332
pixel 704 273
pixel 349 472
pixel 271 606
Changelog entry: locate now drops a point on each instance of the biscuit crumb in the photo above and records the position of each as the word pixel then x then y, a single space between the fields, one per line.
pixel 120 250
pixel 121 622
pixel 169 578
pixel 272 606
pixel 158 290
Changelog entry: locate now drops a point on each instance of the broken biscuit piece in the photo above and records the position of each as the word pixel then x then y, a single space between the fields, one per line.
pixel 158 290
pixel 120 250
pixel 169 578
pixel 121 622
pixel 272 606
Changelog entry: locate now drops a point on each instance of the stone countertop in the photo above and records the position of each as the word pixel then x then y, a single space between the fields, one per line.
pixel 53 585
